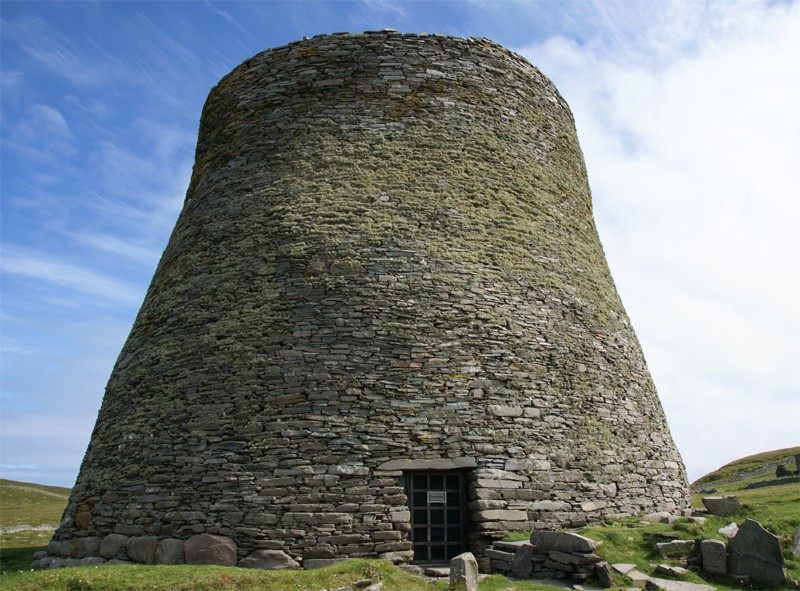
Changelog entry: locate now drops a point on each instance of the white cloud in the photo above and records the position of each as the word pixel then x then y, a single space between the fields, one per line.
pixel 41 134
pixel 384 7
pixel 22 263
pixel 142 255
pixel 691 144
pixel 56 52
pixel 50 121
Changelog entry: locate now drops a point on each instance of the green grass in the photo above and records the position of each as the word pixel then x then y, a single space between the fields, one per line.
pixel 28 515
pixel 212 578
pixel 22 503
pixel 629 542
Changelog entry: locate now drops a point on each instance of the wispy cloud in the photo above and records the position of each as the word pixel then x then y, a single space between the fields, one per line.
pixel 60 54
pixel 41 134
pixel 22 263
pixel 389 13
pixel 50 120
pixel 19 467
pixel 385 7
pixel 227 16
pixel 142 255
pixel 162 66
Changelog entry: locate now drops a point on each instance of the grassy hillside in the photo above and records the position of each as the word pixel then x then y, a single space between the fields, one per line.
pixel 777 507
pixel 28 515
pixel 755 468
pixel 23 503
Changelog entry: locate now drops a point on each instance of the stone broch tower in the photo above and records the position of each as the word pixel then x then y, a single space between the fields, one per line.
pixel 383 326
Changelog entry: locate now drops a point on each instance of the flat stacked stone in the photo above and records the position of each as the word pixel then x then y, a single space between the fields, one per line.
pixel 386 255
pixel 549 554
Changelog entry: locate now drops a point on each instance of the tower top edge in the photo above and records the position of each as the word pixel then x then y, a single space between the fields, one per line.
pixel 386 35
pixel 390 34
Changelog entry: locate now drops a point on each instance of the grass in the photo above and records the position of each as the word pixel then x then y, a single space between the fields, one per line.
pixel 776 508
pixel 23 504
pixel 213 578
pixel 501 583
pixel 629 542
pixel 28 515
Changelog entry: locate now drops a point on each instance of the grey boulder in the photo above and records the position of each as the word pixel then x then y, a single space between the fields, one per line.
pixel 756 553
pixel 210 549
pixel 269 560
pixel 562 541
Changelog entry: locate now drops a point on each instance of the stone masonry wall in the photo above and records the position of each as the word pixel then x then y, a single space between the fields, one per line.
pixel 386 259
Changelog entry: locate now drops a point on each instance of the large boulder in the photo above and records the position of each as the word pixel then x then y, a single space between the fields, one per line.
pixel 522 565
pixel 87 547
pixel 756 553
pixel 60 549
pixel 170 551
pixel 562 541
pixel 714 555
pixel 210 549
pixel 722 505
pixel 603 572
pixel 112 544
pixel 675 547
pixel 464 573
pixel 729 530
pixel 142 549
pixel 268 560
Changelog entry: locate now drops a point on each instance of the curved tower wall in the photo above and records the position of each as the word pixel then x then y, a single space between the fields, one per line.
pixel 386 264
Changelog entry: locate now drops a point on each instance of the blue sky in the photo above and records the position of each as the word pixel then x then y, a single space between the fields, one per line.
pixel 686 112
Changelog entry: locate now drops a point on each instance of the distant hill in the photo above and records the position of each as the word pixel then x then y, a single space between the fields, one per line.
pixel 25 506
pixel 751 469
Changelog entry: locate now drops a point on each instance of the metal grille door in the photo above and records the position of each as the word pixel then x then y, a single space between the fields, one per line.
pixel 438 515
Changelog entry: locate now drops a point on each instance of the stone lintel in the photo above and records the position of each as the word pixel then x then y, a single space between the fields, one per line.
pixel 438 464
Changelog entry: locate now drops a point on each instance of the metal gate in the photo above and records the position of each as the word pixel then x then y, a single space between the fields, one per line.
pixel 438 515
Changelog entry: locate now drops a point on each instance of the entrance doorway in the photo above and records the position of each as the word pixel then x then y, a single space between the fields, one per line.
pixel 437 501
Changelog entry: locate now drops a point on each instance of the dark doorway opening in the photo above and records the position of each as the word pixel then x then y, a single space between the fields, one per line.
pixel 437 501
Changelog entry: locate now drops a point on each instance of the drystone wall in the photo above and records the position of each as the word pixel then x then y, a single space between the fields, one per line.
pixel 386 261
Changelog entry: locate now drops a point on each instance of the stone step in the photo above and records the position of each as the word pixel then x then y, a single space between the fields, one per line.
pixel 437 571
